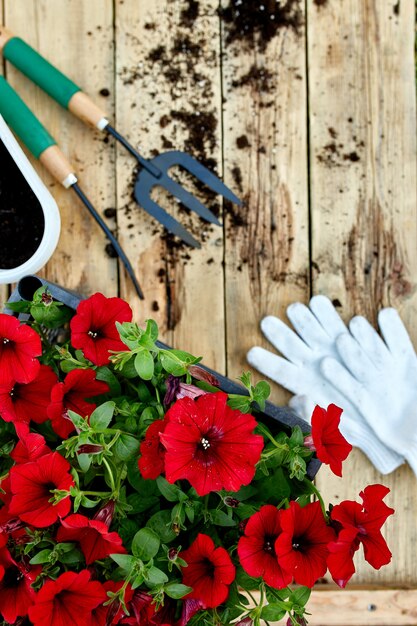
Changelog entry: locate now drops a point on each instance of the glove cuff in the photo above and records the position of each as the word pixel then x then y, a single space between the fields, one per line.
pixel 382 458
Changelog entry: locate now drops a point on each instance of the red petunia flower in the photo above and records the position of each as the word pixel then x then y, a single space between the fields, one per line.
pixel 209 571
pixel 190 607
pixel 256 549
pixel 67 601
pixel 93 536
pixel 93 328
pixel 332 448
pixel 210 444
pixel 29 448
pixel 152 461
pixel 23 402
pixel 71 395
pixel 107 614
pixel 16 591
pixel 31 485
pixel 302 546
pixel 359 523
pixel 19 347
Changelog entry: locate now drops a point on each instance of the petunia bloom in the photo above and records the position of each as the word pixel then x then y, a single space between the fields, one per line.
pixel 256 549
pixel 301 547
pixel 152 461
pixel 142 609
pixel 93 328
pixel 67 601
pixel 210 444
pixel 16 591
pixel 96 542
pixel 19 347
pixel 25 402
pixel 71 395
pixel 359 523
pixel 32 484
pixel 29 448
pixel 331 447
pixel 209 571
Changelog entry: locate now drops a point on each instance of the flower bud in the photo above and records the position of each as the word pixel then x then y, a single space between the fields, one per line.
pixel 201 374
pixel 309 443
pixel 90 448
pixel 105 514
pixel 232 502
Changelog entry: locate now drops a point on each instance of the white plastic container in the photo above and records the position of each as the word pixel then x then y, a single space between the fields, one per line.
pixel 52 221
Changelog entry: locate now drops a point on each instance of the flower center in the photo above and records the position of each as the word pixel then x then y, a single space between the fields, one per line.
pixel 93 334
pixel 204 443
pixel 5 340
pixel 299 545
pixel 12 577
pixel 269 544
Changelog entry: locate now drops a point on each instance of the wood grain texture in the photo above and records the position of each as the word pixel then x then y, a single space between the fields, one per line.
pixel 267 248
pixel 362 607
pixel 363 205
pixel 78 38
pixel 168 84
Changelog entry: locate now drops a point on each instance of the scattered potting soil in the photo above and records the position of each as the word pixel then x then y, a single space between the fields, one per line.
pixel 21 217
pixel 253 23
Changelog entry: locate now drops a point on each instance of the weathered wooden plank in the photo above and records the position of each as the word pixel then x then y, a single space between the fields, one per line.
pixel 78 37
pixel 362 607
pixel 168 97
pixel 265 138
pixel 363 203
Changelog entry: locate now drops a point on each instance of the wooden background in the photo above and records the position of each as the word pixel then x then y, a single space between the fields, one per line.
pixel 315 129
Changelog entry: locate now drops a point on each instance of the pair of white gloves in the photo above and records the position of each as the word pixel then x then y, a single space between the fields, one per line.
pixel 372 378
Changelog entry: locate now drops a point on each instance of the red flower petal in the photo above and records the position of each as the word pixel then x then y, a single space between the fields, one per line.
pixel 23 402
pixel 31 485
pixel 210 444
pixel 93 328
pixel 67 601
pixel 152 460
pixel 19 347
pixel 302 546
pixel 332 448
pixel 209 571
pixel 93 536
pixel 256 549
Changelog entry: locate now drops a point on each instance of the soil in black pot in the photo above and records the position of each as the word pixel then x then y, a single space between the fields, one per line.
pixel 21 217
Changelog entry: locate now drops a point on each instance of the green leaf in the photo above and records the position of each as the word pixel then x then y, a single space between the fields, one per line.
pixel 239 403
pixel 273 612
pixel 78 421
pixel 220 518
pixel 176 362
pixel 105 374
pixel 125 561
pixel 84 461
pixel 51 315
pixel 177 590
pixel 141 503
pixel 155 576
pixel 23 306
pixel 41 557
pixel 261 392
pixel 70 558
pixel 249 583
pixel 170 491
pixel 125 446
pixel 161 524
pixel 144 364
pixel 101 417
pixel 297 437
pixel 301 596
pixel 145 544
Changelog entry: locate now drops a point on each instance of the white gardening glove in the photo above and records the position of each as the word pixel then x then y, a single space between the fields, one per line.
pixel 318 328
pixel 379 378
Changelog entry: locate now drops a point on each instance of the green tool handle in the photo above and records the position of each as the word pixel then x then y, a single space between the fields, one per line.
pixel 27 126
pixel 50 79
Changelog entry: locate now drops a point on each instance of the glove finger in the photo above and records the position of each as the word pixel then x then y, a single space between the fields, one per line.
pixel 307 325
pixel 355 359
pixel 275 367
pixel 395 334
pixel 285 340
pixel 327 315
pixel 370 341
pixel 303 406
pixel 340 377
